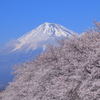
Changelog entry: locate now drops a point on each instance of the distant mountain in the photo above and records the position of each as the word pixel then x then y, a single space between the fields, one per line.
pixel 37 38
pixel 29 45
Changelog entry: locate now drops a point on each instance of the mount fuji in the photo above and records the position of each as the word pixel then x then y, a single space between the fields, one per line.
pixel 39 37
pixel 27 46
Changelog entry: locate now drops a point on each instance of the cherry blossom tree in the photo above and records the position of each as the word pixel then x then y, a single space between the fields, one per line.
pixel 70 71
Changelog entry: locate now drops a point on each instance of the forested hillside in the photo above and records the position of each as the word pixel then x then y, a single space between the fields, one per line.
pixel 70 71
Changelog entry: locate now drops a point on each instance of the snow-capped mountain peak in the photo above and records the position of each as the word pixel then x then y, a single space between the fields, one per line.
pixel 48 29
pixel 43 33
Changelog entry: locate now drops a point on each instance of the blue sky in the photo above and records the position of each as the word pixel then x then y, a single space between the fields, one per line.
pixel 18 17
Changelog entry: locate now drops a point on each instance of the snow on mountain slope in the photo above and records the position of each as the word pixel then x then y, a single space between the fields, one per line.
pixel 43 34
